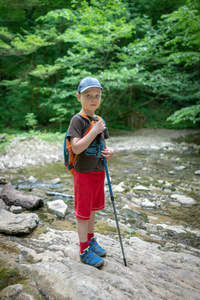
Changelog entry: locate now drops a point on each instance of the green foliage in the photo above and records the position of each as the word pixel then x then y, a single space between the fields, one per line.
pixel 191 113
pixel 61 113
pixel 31 121
pixel 137 62
pixel 154 9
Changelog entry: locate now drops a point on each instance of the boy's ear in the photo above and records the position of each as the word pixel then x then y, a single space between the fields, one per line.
pixel 78 97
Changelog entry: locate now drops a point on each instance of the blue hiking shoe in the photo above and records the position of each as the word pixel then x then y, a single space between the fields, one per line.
pixel 90 258
pixel 96 248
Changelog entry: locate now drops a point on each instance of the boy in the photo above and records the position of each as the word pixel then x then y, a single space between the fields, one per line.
pixel 89 171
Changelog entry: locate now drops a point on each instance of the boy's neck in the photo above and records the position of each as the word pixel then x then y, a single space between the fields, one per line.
pixel 88 113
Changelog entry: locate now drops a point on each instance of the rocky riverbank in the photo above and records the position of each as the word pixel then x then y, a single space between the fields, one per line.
pixel 22 152
pixel 156 183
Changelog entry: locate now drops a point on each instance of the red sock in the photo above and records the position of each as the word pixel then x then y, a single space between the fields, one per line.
pixel 90 235
pixel 83 246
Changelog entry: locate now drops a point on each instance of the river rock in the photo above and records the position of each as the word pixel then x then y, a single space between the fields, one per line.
pixel 171 172
pixel 12 196
pixel 197 172
pixel 11 291
pixel 179 168
pixel 146 203
pixel 15 209
pixel 58 207
pixel 194 231
pixel 141 188
pixel 55 181
pixel 3 179
pixel 16 292
pixel 2 205
pixel 32 179
pixel 126 206
pixel 184 200
pixel 113 224
pixel 137 201
pixel 119 188
pixel 177 229
pixel 17 224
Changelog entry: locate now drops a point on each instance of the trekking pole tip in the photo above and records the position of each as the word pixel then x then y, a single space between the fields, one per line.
pixel 125 262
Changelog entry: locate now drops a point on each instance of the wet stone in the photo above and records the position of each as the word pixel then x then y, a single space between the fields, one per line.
pixel 147 204
pixel 17 224
pixel 15 209
pixel 180 168
pixel 2 205
pixel 58 207
pixel 184 200
pixel 32 179
pixel 141 188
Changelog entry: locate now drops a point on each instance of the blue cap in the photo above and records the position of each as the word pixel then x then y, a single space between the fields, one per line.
pixel 88 82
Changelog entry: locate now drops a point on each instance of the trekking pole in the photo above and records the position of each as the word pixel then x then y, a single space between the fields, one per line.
pixel 113 203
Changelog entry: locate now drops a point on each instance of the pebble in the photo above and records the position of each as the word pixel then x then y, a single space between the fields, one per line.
pixel 184 200
pixel 141 188
pixel 118 188
pixel 171 172
pixel 126 206
pixel 146 203
pixel 2 204
pixel 155 237
pixel 177 204
pixel 177 229
pixel 137 201
pixel 32 179
pixel 15 209
pixel 180 168
pixel 55 181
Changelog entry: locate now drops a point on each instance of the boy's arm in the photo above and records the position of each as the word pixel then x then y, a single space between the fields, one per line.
pixel 80 144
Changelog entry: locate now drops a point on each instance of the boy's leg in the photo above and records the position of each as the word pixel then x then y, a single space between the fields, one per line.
pixel 85 229
pixel 91 226
pixel 82 228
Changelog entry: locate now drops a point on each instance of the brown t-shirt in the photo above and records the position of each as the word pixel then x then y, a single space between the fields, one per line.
pixel 88 160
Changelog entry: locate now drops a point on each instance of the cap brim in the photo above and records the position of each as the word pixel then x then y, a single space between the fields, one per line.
pixel 90 86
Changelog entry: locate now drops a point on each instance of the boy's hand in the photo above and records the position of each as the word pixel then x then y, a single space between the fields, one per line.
pixel 107 153
pixel 98 126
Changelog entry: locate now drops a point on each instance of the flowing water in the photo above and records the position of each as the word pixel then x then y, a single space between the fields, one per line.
pixel 157 170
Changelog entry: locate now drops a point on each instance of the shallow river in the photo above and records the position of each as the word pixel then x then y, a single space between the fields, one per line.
pixel 163 172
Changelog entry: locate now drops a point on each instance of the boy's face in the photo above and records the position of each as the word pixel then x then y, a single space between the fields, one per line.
pixel 90 100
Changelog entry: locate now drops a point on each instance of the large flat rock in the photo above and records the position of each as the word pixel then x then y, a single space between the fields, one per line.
pixel 151 273
pixel 17 224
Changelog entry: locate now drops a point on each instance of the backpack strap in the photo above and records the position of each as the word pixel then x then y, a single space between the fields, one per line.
pixel 89 122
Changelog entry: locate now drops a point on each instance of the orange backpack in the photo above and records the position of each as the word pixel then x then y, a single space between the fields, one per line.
pixel 69 156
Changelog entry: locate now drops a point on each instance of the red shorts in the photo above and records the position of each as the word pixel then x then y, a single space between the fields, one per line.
pixel 88 193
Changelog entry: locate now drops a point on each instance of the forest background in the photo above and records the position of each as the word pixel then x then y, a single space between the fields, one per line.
pixel 146 55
